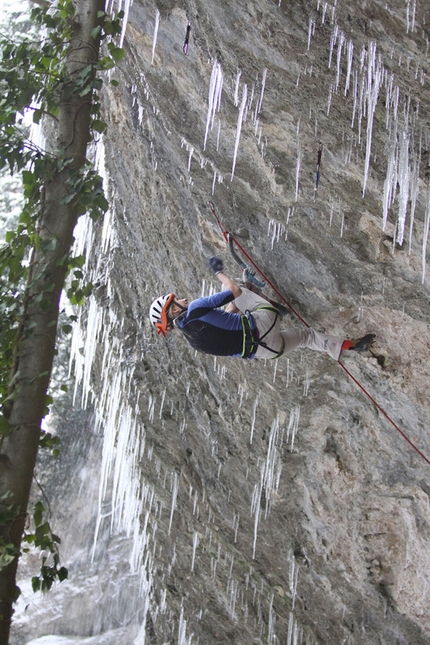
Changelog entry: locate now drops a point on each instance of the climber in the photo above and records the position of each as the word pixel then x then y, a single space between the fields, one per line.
pixel 249 326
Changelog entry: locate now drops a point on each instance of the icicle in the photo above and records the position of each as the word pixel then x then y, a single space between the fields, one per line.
pixel 254 412
pixel 271 636
pixel 410 20
pixel 218 135
pixel 349 68
pixel 272 467
pixel 250 101
pixel 232 595
pixel 151 408
pixel 215 93
pixel 333 43
pixel 124 6
pixel 154 42
pixel 213 183
pixel 294 576
pixel 426 234
pixel 299 160
pixel 256 509
pixel 311 31
pixel 330 96
pixel 306 384
pixel 175 488
pixel 190 156
pixel 290 628
pixel 236 526
pixel 374 77
pixel 239 127
pixel 390 182
pixel 339 58
pixel 414 195
pixel 195 546
pixel 162 403
pixel 354 109
pixel 390 92
pixel 263 86
pixel 324 12
pixel 293 425
pixel 182 631
pixel 403 179
pixel 236 88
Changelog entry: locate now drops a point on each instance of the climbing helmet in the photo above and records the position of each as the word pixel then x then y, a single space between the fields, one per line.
pixel 158 313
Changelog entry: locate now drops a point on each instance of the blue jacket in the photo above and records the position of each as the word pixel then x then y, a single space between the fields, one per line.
pixel 212 330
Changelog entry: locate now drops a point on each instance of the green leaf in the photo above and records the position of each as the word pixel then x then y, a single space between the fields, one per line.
pixel 39 509
pixel 37 115
pixel 6 558
pixel 99 126
pixel 36 583
pixel 95 32
pixel 117 53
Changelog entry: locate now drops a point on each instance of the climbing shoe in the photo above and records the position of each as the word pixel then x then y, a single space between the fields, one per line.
pixel 362 344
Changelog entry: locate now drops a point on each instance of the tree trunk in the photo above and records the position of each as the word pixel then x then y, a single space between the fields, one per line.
pixel 36 342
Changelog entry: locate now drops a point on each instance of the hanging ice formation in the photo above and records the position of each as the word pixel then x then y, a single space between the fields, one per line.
pixel 239 127
pixel 372 87
pixel 120 5
pixel 271 468
pixel 214 100
pixel 366 78
pixel 276 229
pixel 246 105
pixel 425 236
pixel 135 506
pixel 156 25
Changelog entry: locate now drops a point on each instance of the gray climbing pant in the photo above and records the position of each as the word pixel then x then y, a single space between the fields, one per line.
pixel 288 339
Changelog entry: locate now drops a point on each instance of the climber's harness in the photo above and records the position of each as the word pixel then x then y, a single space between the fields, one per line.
pixel 251 337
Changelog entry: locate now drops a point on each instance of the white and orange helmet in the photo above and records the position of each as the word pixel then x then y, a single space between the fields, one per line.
pixel 158 313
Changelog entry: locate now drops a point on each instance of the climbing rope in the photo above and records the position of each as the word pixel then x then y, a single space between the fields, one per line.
pixel 226 235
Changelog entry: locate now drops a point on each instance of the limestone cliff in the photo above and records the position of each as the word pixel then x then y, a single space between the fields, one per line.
pixel 264 502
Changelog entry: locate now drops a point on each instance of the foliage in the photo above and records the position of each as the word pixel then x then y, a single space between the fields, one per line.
pixel 33 73
pixel 43 538
pixel 35 80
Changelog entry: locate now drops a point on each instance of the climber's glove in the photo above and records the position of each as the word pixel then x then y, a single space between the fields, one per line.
pixel 247 274
pixel 216 264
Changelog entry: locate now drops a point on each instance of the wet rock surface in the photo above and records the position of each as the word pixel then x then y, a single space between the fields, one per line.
pixel 274 500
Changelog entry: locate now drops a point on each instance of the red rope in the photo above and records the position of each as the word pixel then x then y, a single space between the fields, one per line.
pixel 383 412
pixel 257 268
pixel 351 376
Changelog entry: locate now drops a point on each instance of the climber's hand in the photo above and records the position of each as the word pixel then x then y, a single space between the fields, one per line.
pixel 216 264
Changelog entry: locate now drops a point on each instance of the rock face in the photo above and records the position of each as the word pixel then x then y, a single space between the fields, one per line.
pixel 264 502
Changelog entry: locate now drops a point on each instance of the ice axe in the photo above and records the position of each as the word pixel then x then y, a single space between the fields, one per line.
pixel 249 274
